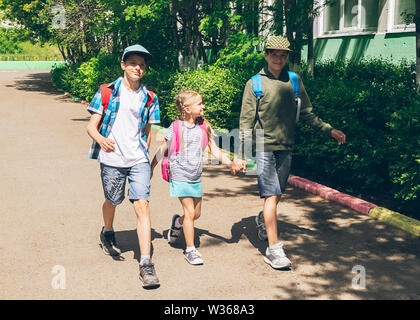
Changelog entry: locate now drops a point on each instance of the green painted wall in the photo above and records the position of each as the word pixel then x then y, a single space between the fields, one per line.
pixel 396 46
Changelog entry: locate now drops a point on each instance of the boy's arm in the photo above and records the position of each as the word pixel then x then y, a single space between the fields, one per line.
pixel 234 166
pixel 306 114
pixel 159 154
pixel 106 144
pixel 148 133
pixel 246 120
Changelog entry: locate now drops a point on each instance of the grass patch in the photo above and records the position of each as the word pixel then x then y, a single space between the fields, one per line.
pixel 34 52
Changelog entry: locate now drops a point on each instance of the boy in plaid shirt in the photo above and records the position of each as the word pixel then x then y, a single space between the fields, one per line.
pixel 121 146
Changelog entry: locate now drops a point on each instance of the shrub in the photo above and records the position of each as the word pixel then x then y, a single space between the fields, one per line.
pixel 375 104
pixel 94 72
pixel 10 40
pixel 221 90
pixel 62 76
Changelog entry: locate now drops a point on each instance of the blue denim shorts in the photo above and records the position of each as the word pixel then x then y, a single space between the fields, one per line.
pixel 114 179
pixel 273 169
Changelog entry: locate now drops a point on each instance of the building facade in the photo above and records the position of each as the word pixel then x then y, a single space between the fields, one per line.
pixel 353 29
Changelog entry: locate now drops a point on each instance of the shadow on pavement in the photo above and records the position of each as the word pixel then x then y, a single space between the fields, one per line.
pixel 39 82
pixel 35 82
pixel 128 241
pixel 326 241
pixel 180 242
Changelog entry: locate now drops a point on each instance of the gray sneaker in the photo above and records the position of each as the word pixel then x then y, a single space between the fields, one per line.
pixel 261 232
pixel 277 258
pixel 148 275
pixel 174 232
pixel 193 257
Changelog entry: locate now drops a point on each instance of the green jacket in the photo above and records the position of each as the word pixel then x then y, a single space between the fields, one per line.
pixel 277 112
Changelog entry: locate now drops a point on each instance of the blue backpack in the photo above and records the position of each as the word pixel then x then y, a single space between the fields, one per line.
pixel 257 88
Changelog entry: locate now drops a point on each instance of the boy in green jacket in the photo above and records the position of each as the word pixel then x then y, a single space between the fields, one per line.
pixel 276 118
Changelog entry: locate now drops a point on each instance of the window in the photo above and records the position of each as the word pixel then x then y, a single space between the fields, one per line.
pixel 342 16
pixel 351 8
pixel 331 16
pixel 400 11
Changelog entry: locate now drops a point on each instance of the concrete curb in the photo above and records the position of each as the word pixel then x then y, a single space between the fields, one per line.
pixel 397 220
pixel 331 194
pixel 382 214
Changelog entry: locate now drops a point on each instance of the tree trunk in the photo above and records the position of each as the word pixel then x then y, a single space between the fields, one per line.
pixel 311 58
pixel 278 17
pixel 199 38
pixel 173 13
pixel 62 51
pixel 297 53
pixel 417 20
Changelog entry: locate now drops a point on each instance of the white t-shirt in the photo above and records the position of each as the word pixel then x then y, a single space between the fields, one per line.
pixel 125 132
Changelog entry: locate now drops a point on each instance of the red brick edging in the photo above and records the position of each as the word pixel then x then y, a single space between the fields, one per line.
pixel 331 194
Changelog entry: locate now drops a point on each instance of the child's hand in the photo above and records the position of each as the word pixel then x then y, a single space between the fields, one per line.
pixel 233 168
pixel 241 165
pixel 107 145
pixel 236 166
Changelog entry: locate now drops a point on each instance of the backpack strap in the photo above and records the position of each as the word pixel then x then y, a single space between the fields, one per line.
pixel 105 95
pixel 176 126
pixel 257 85
pixel 106 92
pixel 205 140
pixel 258 90
pixel 150 97
pixel 295 83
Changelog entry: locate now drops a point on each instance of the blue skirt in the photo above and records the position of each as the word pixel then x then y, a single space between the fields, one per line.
pixel 185 189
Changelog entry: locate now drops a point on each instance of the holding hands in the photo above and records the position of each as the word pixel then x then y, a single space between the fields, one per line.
pixel 238 165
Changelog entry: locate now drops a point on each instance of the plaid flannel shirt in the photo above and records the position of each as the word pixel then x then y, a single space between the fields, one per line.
pixel 149 114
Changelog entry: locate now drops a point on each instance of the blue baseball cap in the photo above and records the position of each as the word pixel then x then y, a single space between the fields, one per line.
pixel 137 48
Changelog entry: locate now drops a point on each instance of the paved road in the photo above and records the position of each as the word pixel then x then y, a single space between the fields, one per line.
pixel 50 222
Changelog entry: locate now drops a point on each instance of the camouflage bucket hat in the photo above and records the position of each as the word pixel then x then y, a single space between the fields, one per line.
pixel 278 42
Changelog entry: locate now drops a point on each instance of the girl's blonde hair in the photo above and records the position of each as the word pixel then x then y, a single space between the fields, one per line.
pixel 184 99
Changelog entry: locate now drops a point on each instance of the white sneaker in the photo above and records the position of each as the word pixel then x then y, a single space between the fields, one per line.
pixel 193 257
pixel 277 258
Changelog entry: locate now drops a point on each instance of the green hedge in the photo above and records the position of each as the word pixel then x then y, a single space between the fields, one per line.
pixel 373 102
pixel 221 90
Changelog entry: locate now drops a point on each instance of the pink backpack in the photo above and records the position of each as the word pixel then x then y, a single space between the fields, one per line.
pixel 174 148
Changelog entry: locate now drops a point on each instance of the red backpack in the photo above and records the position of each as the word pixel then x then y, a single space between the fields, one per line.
pixel 106 96
pixel 174 148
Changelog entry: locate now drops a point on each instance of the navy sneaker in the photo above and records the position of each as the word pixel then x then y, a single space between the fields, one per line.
pixel 259 221
pixel 108 243
pixel 174 232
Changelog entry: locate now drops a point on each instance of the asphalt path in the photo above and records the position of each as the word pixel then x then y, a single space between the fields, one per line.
pixel 50 211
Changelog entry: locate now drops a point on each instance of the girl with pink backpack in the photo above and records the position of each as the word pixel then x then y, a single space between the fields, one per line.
pixel 182 153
